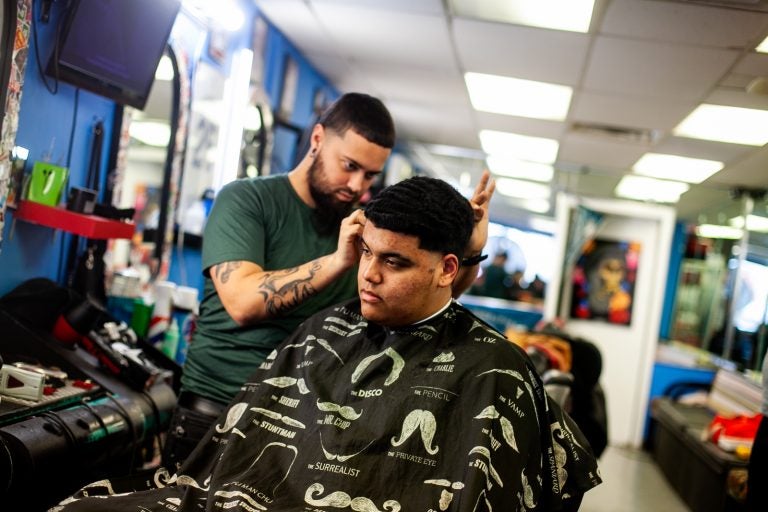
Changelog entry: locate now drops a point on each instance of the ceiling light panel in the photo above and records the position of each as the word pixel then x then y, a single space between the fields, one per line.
pixel 716 231
pixel 516 97
pixel 763 47
pixel 522 147
pixel 754 223
pixel 674 167
pixel 650 189
pixel 502 165
pixel 570 15
pixel 522 189
pixel 726 124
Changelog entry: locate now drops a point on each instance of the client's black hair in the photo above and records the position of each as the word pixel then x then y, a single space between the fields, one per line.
pixel 363 114
pixel 427 208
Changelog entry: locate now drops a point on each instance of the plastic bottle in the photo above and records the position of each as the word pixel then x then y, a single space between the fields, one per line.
pixel 161 313
pixel 171 340
pixel 185 313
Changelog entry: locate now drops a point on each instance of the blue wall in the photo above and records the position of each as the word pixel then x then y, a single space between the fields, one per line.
pixel 46 125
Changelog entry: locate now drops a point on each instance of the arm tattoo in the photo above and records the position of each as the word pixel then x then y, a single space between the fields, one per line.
pixel 281 295
pixel 224 270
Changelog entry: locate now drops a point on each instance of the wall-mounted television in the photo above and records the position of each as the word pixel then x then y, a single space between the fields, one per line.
pixel 112 47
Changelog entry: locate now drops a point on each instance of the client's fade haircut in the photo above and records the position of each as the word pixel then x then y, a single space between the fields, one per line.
pixel 364 114
pixel 427 208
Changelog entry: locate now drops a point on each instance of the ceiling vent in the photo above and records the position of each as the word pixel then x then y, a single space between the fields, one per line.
pixel 742 5
pixel 617 133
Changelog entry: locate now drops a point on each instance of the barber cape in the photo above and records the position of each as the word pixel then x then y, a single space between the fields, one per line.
pixel 348 415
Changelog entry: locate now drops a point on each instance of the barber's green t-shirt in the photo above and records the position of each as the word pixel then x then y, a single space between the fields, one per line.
pixel 264 221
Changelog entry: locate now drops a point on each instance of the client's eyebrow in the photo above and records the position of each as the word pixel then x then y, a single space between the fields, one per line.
pixel 403 260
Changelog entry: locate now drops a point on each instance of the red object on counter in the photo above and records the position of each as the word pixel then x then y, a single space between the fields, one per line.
pixel 88 226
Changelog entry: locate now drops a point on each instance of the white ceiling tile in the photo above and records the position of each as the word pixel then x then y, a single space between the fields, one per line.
pixel 655 70
pixel 520 52
pixel 370 35
pixel 432 87
pixel 521 125
pixel 411 6
pixel 750 171
pixel 629 111
pixel 304 31
pixel 422 123
pixel 737 98
pixel 708 150
pixel 753 63
pixel 736 81
pixel 599 152
pixel 679 22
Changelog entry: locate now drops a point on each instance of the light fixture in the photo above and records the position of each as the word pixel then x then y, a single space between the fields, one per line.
pixel 522 147
pixel 650 189
pixel 522 189
pixel 570 15
pixel 726 124
pixel 755 223
pixel 503 165
pixel 164 69
pixel 763 47
pixel 674 167
pixel 150 133
pixel 516 97
pixel 717 231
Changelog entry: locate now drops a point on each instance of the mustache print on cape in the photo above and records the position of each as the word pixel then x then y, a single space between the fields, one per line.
pixel 507 430
pixel 277 416
pixel 241 496
pixel 397 367
pixel 286 382
pixel 340 458
pixel 346 412
pixel 423 420
pixel 288 447
pixel 341 499
pixel 488 468
pixel 306 343
pixel 446 497
pixel 233 416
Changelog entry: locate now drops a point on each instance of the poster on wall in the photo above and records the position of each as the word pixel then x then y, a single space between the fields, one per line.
pixel 604 281
pixel 288 91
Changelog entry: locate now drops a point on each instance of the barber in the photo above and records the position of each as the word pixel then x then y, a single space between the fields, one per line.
pixel 277 249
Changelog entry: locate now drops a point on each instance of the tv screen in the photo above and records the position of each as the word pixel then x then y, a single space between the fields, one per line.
pixel 112 47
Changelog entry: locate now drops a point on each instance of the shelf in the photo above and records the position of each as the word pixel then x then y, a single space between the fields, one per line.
pixel 88 226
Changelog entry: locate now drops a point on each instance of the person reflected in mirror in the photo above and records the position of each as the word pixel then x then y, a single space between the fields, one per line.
pixel 277 249
pixel 399 399
pixel 496 283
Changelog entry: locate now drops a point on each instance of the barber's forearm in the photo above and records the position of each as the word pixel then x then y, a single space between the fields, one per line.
pixel 258 295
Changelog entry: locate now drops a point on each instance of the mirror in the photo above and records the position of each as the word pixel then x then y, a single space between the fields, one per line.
pixel 721 304
pixel 144 174
pixel 256 146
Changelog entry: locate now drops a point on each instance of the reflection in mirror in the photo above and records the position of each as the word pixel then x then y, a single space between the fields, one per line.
pixel 722 295
pixel 146 173
pixel 255 150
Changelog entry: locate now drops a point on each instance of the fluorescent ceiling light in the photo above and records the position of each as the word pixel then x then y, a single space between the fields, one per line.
pixel 522 189
pixel 649 189
pixel 535 205
pixel 571 15
pixel 763 47
pixel 673 167
pixel 224 13
pixel 715 231
pixel 252 119
pixel 151 133
pixel 503 165
pixel 164 69
pixel 522 147
pixel 516 97
pixel 726 124
pixel 754 223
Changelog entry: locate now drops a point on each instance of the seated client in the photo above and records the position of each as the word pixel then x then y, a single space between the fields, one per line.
pixel 399 400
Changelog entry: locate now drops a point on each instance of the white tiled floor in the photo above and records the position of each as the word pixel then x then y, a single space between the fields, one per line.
pixel 632 482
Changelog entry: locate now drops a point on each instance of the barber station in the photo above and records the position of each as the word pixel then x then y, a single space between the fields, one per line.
pixel 328 255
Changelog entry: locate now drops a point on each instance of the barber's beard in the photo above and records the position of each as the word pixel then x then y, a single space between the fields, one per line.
pixel 329 211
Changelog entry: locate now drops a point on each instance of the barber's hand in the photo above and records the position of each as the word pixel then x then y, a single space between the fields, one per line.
pixel 347 253
pixel 480 201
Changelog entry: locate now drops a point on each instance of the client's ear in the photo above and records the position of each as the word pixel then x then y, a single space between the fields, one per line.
pixel 450 269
